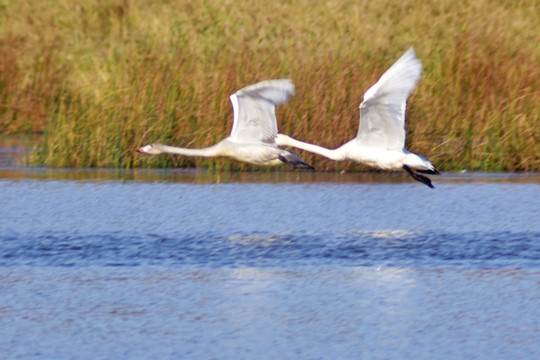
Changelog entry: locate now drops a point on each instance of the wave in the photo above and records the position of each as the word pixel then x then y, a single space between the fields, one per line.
pixel 394 248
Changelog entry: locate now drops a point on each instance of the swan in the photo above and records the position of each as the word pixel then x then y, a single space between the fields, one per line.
pixel 381 135
pixel 254 130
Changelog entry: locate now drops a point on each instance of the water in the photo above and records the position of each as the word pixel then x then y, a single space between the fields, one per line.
pixel 190 265
pixel 108 223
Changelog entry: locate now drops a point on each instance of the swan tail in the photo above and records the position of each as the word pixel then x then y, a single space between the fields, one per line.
pixel 419 164
pixel 418 177
pixel 294 161
pixel 431 172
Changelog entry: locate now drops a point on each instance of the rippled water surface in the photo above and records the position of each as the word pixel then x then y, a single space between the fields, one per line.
pixel 188 265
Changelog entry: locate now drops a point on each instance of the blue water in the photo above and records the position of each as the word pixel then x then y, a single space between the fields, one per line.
pixel 183 265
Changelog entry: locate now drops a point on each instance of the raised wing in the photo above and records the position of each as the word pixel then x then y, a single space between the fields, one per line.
pixel 382 113
pixel 254 110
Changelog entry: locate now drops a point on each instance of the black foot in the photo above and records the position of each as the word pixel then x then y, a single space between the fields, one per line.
pixel 294 161
pixel 423 179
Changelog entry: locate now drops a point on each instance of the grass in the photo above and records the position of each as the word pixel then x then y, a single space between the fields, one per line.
pixel 100 78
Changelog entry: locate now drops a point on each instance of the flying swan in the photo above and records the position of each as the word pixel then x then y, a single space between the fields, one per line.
pixel 381 135
pixel 254 129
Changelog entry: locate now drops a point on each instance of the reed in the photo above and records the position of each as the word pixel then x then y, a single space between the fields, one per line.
pixel 101 78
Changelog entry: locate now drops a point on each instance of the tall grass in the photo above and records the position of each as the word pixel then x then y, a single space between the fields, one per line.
pixel 100 78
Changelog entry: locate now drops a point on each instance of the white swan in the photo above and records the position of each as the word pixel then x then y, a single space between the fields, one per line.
pixel 254 129
pixel 381 135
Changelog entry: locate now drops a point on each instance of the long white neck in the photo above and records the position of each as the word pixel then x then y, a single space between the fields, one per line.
pixel 204 152
pixel 332 154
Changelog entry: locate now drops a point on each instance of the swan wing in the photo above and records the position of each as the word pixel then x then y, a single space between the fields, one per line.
pixel 254 110
pixel 382 112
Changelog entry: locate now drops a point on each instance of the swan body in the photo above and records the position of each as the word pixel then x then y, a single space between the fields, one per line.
pixel 254 130
pixel 380 141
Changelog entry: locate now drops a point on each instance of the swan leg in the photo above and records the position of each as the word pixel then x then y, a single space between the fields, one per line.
pixel 423 179
pixel 294 161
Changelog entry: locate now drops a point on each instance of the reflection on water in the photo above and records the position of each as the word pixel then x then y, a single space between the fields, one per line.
pixel 196 176
pixel 173 264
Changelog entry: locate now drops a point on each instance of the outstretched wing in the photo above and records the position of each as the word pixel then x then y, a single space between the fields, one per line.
pixel 382 113
pixel 254 110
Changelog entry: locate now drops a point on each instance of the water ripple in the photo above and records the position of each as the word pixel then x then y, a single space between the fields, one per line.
pixel 388 248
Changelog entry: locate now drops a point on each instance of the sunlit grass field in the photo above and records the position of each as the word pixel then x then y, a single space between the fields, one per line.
pixel 101 78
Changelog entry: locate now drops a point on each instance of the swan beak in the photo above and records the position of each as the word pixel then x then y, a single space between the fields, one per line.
pixel 141 150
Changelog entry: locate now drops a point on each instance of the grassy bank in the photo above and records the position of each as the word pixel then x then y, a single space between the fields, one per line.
pixel 101 78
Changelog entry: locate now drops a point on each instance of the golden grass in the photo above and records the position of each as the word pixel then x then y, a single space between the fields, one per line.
pixel 100 78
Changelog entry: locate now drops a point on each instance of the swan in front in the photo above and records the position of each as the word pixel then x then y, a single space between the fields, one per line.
pixel 380 141
pixel 254 130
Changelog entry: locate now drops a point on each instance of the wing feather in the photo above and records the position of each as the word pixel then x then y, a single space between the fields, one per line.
pixel 382 113
pixel 254 110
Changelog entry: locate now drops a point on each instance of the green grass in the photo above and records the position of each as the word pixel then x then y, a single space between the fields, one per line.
pixel 101 78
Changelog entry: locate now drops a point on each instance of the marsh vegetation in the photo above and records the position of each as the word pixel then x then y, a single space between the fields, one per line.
pixel 100 78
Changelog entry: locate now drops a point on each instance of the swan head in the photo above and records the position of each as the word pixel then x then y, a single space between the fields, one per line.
pixel 152 149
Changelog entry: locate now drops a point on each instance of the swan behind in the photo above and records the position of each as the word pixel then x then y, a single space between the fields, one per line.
pixel 380 140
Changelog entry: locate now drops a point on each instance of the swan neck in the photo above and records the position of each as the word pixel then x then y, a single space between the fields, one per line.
pixel 204 152
pixel 284 140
